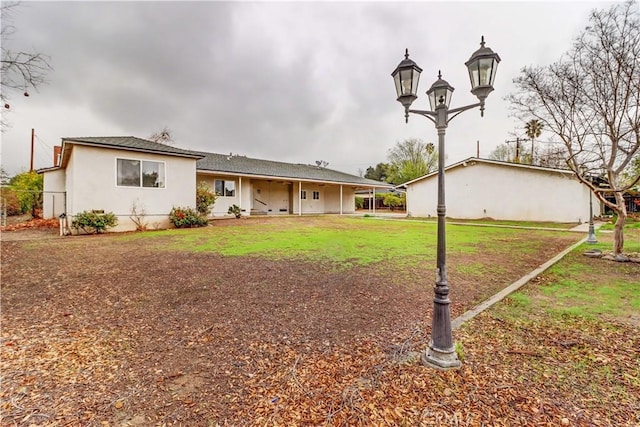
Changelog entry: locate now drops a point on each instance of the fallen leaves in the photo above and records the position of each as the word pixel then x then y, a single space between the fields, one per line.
pixel 32 223
pixel 106 332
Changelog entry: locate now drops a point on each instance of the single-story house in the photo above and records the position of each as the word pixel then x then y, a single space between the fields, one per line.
pixel 118 174
pixel 482 188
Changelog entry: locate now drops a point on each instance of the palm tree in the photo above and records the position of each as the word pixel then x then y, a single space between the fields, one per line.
pixel 534 129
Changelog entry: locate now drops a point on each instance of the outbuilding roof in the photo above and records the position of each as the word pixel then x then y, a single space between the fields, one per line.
pixel 474 160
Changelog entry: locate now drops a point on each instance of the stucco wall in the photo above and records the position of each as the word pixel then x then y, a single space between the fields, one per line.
pixel 309 205
pixel 91 185
pixel 332 199
pixel 271 197
pixel 222 204
pixel 503 192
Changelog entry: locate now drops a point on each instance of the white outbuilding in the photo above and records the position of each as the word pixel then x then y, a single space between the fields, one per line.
pixel 481 188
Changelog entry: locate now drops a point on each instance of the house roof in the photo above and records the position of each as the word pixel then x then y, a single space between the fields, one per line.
pixel 242 165
pixel 474 160
pixel 222 163
pixel 132 143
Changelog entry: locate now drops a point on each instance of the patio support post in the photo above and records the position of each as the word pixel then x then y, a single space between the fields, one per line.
pixel 299 198
pixel 240 193
pixel 373 201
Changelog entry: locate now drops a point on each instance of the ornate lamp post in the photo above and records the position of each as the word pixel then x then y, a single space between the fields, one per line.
pixel 482 69
pixel 592 232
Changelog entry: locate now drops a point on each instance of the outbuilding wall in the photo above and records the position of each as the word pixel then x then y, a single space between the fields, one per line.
pixel 503 192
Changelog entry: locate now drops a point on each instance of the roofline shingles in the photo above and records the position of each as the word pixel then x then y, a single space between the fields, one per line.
pixel 232 164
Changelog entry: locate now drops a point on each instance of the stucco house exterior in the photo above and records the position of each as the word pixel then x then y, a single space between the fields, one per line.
pixel 481 188
pixel 114 174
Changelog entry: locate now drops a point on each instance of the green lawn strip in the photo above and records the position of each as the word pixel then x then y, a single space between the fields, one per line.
pixel 630 225
pixel 489 221
pixel 582 286
pixel 345 240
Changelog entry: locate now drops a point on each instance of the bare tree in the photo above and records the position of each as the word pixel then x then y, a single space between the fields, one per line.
pixel 20 71
pixel 590 99
pixel 503 152
pixel 553 157
pixel 163 136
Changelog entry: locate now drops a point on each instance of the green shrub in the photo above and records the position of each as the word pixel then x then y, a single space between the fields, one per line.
pixel 10 202
pixel 235 209
pixel 28 188
pixel 392 201
pixel 187 217
pixel 359 202
pixel 205 198
pixel 94 221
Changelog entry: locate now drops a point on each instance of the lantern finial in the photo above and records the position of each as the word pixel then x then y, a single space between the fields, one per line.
pixel 406 53
pixel 482 41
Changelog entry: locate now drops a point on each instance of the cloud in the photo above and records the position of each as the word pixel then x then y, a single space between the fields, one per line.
pixel 290 81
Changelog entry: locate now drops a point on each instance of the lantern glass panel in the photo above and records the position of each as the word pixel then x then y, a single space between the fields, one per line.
pixel 486 67
pixel 396 80
pixel 482 72
pixel 406 81
pixel 438 94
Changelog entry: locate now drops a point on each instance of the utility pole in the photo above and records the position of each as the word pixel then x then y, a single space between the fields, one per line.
pixel 32 138
pixel 517 156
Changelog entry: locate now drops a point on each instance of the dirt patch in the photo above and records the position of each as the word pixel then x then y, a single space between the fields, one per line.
pixel 98 330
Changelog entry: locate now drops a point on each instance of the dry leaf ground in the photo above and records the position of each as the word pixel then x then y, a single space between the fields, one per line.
pixel 101 331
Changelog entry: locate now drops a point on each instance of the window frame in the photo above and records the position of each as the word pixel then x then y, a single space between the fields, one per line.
pixel 303 194
pixel 163 173
pixel 316 195
pixel 224 187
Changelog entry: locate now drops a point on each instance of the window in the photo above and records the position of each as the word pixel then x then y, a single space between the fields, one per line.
pixel 140 173
pixel 303 194
pixel 225 188
pixel 316 195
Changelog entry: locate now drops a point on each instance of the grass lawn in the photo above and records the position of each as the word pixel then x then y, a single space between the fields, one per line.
pixel 504 223
pixel 312 321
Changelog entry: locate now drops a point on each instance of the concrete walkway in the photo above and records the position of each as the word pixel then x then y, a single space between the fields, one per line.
pixel 584 227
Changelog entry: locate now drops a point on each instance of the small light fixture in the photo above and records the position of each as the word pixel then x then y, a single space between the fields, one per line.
pixel 482 71
pixel 440 93
pixel 406 77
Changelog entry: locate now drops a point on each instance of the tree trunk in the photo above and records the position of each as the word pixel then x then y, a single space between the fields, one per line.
pixel 618 233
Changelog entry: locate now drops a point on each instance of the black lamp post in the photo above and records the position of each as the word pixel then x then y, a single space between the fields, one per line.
pixel 592 232
pixel 482 67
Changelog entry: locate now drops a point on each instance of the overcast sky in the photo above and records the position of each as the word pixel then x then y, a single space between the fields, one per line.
pixel 288 81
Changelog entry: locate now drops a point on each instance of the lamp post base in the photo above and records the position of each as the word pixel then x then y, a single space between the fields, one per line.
pixel 442 360
pixel 592 235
